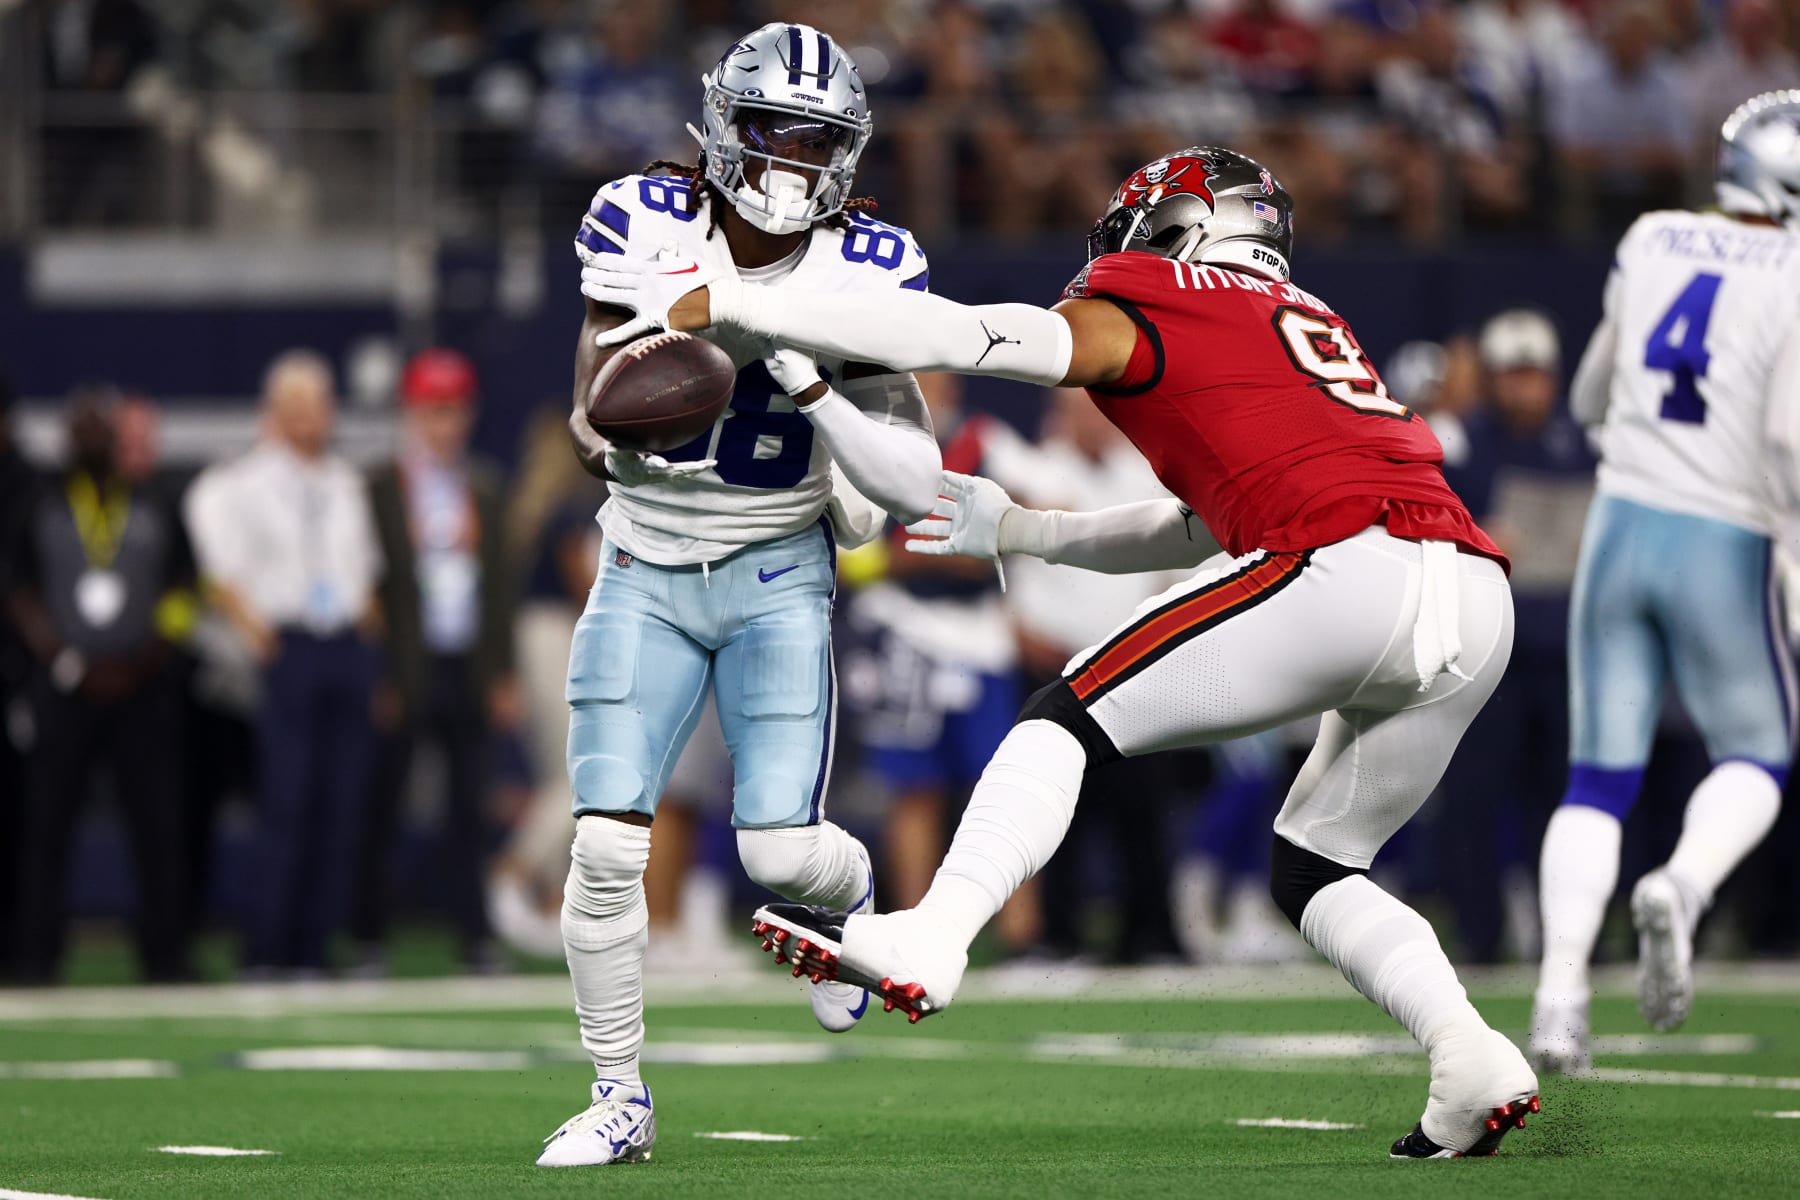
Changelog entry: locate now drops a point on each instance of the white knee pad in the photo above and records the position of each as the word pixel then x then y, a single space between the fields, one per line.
pixel 603 900
pixel 814 864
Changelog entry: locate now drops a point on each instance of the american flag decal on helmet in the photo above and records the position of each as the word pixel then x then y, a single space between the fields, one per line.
pixel 1267 212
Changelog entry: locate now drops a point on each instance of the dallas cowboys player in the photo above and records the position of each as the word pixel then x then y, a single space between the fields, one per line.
pixel 1685 373
pixel 718 562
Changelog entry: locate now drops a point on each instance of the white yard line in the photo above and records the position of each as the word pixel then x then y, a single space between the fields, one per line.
pixel 1015 983
pixel 1292 1123
pixel 381 1058
pixel 1701 1079
pixel 751 1135
pixel 214 1151
pixel 14 1194
pixel 91 1068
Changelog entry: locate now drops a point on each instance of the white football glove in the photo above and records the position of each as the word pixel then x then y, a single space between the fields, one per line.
pixel 966 519
pixel 634 468
pixel 793 370
pixel 648 288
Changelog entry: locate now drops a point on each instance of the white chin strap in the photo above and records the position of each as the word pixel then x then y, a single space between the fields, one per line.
pixel 781 205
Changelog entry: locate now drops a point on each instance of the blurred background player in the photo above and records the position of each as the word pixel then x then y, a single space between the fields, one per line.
pixel 718 568
pixel 447 599
pixel 1526 473
pixel 1691 364
pixel 289 553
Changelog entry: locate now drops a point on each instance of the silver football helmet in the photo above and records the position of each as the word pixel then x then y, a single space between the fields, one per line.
pixel 1204 204
pixel 776 93
pixel 1759 159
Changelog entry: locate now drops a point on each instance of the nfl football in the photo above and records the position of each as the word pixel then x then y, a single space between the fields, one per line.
pixel 660 391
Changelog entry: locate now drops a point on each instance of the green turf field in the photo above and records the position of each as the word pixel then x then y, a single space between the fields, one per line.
pixel 444 1089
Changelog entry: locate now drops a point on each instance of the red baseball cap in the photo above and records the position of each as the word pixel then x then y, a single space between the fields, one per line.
pixel 437 376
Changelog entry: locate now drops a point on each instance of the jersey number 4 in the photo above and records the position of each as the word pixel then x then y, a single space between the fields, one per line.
pixel 1678 345
pixel 1329 354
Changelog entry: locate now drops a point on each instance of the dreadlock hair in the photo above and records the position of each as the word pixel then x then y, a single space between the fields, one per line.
pixel 696 171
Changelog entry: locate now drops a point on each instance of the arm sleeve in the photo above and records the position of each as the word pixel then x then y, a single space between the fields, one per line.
pixel 1782 436
pixel 879 434
pixel 1151 535
pixel 1591 390
pixel 902 329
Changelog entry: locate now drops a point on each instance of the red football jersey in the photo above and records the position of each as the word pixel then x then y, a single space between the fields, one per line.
pixel 1257 408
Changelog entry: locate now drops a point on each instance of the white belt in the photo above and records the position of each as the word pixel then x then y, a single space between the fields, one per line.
pixel 1437 634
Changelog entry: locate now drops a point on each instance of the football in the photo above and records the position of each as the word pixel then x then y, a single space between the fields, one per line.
pixel 660 391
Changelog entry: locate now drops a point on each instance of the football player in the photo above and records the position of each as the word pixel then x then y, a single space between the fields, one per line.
pixel 718 564
pixel 1353 584
pixel 1674 583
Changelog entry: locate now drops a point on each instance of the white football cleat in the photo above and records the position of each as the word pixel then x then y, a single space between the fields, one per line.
pixel 618 1127
pixel 1481 1089
pixel 1559 1036
pixel 1665 914
pixel 901 957
pixel 838 1005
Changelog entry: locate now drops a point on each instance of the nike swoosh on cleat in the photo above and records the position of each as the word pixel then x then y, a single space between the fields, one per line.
pixel 764 575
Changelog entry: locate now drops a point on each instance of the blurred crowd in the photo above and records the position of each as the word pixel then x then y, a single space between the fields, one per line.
pixel 1421 119
pixel 320 696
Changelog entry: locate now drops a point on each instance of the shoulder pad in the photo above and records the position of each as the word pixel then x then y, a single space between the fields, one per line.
pixel 635 212
pixel 887 250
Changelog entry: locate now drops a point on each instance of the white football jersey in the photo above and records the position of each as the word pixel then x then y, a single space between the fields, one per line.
pixel 772 477
pixel 1701 305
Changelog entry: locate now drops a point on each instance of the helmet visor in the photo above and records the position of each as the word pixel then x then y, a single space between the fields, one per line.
pixel 794 137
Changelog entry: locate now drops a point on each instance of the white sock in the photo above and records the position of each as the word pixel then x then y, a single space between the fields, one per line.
pixel 1728 814
pixel 1577 872
pixel 812 864
pixel 605 928
pixel 1016 819
pixel 1389 954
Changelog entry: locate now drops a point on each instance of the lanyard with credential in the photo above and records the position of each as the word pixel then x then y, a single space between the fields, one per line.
pixel 100 524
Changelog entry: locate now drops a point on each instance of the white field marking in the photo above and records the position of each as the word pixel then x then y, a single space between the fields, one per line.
pixel 771 988
pixel 213 1151
pixel 1292 1123
pixel 1703 1079
pixel 381 1058
pixel 1791 1114
pixel 91 1068
pixel 13 1194
pixel 743 1054
pixel 750 1135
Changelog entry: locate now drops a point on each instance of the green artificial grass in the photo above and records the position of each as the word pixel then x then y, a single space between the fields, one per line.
pixel 993 1098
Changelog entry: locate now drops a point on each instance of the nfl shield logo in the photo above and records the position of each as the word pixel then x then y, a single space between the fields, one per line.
pixel 621 559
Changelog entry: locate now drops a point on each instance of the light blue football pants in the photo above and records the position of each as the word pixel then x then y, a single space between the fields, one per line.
pixel 757 628
pixel 1662 597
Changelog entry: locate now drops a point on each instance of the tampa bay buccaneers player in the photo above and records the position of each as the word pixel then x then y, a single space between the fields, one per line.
pixel 1353 583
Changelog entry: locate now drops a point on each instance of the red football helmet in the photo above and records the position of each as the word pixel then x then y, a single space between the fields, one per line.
pixel 1203 204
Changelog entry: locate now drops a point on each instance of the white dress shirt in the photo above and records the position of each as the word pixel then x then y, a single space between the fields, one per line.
pixel 294 537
